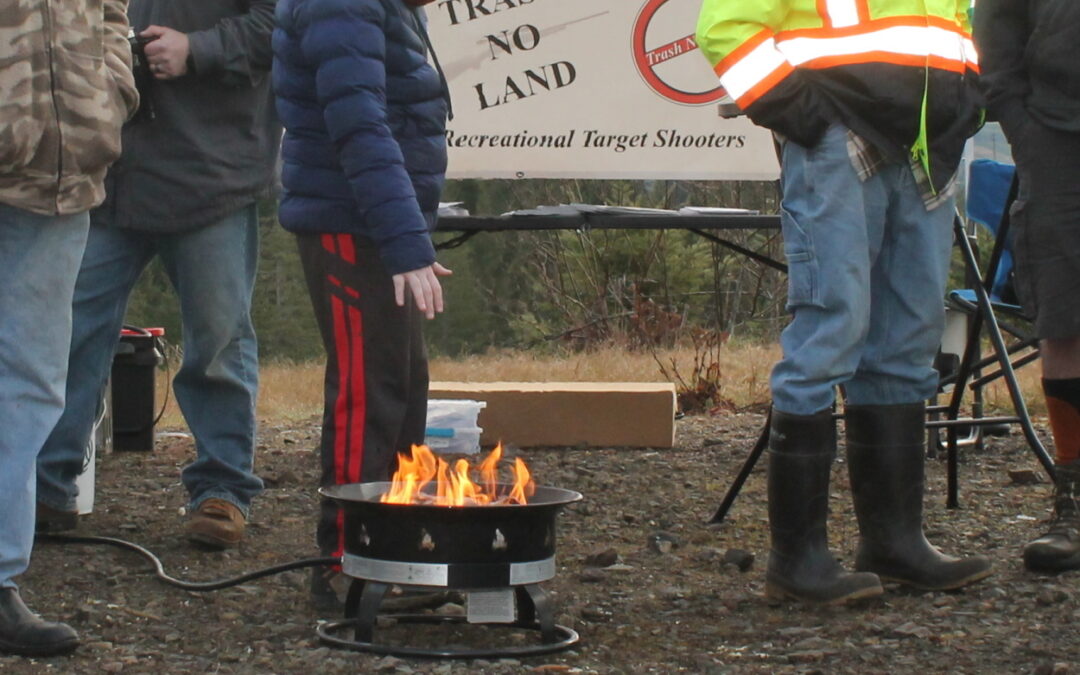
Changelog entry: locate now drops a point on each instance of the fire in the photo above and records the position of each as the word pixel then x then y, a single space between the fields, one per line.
pixel 454 485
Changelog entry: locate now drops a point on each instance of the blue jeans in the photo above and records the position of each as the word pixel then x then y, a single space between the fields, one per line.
pixel 213 271
pixel 39 258
pixel 867 267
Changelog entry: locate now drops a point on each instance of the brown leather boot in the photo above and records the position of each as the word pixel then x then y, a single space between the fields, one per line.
pixel 1059 549
pixel 801 567
pixel 216 523
pixel 24 633
pixel 886 455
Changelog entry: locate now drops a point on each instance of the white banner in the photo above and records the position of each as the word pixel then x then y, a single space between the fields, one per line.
pixel 588 89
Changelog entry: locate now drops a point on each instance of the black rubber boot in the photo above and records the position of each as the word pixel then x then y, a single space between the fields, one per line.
pixel 1059 549
pixel 886 460
pixel 801 452
pixel 23 632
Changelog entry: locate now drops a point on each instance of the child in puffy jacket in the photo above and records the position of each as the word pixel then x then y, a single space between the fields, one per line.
pixel 364 158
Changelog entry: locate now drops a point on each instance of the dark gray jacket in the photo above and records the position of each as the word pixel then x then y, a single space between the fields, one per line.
pixel 1029 61
pixel 211 147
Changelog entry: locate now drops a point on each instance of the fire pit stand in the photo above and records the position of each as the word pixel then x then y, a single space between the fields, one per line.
pixel 495 554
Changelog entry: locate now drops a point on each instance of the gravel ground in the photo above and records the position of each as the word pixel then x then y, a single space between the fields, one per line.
pixel 649 587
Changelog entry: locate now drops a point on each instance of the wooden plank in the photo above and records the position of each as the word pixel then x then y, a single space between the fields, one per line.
pixel 595 414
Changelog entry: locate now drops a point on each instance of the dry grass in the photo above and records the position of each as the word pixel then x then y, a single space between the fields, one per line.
pixel 290 392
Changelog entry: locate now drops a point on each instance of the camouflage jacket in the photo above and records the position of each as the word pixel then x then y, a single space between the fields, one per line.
pixel 65 90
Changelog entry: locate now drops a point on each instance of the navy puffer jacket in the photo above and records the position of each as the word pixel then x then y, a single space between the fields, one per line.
pixel 365 148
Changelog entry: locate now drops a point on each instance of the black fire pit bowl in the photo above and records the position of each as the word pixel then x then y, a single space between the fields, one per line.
pixel 471 548
pixel 455 535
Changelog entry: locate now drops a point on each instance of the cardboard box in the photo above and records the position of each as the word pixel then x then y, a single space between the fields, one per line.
pixel 597 414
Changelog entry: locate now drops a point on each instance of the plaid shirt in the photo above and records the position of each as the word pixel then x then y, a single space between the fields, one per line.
pixel 867 159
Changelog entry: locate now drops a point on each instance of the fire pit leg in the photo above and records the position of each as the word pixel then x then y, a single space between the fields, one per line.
pixel 535 607
pixel 352 598
pixel 365 608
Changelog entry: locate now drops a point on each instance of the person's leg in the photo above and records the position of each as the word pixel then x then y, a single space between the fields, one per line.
pixel 39 259
pixel 885 400
pixel 329 302
pixel 1058 549
pixel 1061 386
pixel 907 283
pixel 801 566
pixel 886 453
pixel 376 377
pixel 831 222
pixel 832 225
pixel 113 261
pixel 1046 218
pixel 213 271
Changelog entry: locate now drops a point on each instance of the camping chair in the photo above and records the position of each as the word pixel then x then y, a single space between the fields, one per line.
pixel 989 304
pixel 990 191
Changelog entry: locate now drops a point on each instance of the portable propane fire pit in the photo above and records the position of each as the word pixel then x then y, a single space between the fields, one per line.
pixel 431 529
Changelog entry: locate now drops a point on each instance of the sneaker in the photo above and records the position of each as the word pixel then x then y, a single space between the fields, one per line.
pixel 1059 549
pixel 216 523
pixel 54 520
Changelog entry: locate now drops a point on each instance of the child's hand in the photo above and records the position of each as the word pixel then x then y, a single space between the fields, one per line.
pixel 424 286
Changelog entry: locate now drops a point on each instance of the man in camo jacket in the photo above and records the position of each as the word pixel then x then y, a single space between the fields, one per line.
pixel 65 90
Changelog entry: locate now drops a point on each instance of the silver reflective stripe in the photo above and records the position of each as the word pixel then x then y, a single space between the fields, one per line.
pixel 532 572
pixel 436 574
pixel 391 572
pixel 841 13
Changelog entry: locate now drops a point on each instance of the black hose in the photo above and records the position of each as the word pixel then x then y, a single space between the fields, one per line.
pixel 159 569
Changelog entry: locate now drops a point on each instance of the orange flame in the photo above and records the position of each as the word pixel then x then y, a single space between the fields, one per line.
pixel 454 486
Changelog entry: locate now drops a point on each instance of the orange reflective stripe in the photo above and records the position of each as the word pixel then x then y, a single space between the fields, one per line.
pixel 848 37
pixel 876 24
pixel 901 43
pixel 762 65
pixel 823 10
pixel 763 86
pixel 864 10
pixel 741 51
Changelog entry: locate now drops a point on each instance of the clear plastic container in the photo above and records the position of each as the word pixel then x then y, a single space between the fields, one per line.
pixel 453 413
pixel 452 426
pixel 461 441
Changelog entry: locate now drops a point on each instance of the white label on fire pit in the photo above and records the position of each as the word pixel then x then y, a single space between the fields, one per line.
pixel 491 606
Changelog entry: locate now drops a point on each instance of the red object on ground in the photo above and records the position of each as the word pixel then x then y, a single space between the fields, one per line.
pixel 152 332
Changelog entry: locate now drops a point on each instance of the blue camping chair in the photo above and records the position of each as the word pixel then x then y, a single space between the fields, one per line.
pixel 989 192
pixel 990 305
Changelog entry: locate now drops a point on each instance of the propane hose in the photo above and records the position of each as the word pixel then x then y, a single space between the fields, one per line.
pixel 198 586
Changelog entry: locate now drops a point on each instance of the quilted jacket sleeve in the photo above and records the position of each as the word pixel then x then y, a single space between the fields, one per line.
pixel 345 42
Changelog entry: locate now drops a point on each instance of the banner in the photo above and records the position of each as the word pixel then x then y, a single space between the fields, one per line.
pixel 588 89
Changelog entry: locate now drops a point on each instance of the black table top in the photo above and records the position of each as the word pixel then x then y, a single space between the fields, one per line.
pixel 607 221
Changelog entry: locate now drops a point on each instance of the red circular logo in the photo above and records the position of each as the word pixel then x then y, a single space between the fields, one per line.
pixel 649 56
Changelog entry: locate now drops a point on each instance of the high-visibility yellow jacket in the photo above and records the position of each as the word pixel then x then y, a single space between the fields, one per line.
pixel 901 73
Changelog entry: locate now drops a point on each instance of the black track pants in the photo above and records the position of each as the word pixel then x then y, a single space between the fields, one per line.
pixel 376 383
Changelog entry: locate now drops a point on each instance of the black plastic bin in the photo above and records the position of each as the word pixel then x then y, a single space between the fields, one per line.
pixel 133 408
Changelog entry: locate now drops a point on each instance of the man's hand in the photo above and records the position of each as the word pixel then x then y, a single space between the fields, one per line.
pixel 167 51
pixel 424 286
